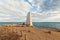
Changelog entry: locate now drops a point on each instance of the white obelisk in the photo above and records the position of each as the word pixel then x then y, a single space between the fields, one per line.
pixel 29 19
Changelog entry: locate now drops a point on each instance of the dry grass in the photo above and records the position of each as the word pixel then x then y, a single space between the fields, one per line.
pixel 21 32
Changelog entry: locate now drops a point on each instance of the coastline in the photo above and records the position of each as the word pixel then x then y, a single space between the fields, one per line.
pixel 26 32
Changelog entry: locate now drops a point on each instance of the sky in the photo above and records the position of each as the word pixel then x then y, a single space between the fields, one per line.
pixel 41 10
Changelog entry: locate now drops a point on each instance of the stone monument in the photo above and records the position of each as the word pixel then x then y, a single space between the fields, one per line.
pixel 29 19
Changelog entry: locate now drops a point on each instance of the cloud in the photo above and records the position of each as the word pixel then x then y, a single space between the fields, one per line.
pixel 46 9
pixel 48 5
pixel 51 16
pixel 52 19
pixel 41 10
pixel 13 10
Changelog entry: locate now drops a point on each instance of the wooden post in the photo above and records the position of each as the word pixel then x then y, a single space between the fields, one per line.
pixel 24 36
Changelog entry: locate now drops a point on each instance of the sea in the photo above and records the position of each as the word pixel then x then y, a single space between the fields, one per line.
pixel 38 24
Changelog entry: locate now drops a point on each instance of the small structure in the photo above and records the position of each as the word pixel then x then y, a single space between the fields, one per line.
pixel 29 19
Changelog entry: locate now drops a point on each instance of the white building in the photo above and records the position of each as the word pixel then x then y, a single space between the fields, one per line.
pixel 29 19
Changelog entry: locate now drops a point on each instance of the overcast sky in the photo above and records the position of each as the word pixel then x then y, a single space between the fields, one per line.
pixel 41 10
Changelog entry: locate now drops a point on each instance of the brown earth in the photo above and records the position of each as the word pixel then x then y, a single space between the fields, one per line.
pixel 23 32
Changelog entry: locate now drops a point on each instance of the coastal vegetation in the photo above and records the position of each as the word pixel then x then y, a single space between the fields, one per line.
pixel 26 32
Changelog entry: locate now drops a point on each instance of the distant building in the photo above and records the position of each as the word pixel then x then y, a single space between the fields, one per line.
pixel 29 19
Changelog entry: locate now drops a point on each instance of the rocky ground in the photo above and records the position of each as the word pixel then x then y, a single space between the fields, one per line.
pixel 23 32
